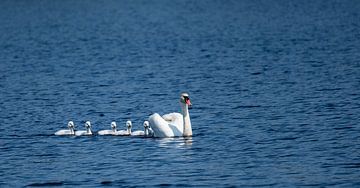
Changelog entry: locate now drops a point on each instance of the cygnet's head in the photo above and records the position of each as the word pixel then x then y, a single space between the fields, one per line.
pixel 87 124
pixel 184 98
pixel 128 124
pixel 146 124
pixel 71 125
pixel 113 125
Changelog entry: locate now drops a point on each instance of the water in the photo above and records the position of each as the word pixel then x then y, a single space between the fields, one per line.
pixel 274 86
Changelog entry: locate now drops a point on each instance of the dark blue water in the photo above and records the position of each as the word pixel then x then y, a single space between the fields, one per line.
pixel 274 86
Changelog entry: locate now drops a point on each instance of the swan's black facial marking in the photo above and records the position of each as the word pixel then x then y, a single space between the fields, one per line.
pixel 70 125
pixel 113 125
pixel 185 99
pixel 87 124
pixel 128 124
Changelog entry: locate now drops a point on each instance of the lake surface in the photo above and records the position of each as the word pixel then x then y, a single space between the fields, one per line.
pixel 274 86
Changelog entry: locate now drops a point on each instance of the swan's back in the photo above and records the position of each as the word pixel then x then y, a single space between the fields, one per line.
pixel 106 132
pixel 64 133
pixel 121 133
pixel 83 133
pixel 137 133
pixel 174 118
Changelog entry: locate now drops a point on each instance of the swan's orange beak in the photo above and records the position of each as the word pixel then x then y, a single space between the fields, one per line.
pixel 187 101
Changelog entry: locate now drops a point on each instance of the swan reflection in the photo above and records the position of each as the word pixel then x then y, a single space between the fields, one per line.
pixel 178 142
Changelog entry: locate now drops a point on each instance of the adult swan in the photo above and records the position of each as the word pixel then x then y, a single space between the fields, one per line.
pixel 173 124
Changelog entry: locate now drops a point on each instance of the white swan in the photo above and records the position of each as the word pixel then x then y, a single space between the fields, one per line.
pixel 126 132
pixel 173 124
pixel 88 131
pixel 65 132
pixel 146 132
pixel 109 132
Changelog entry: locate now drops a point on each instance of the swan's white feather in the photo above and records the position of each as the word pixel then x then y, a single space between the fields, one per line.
pixel 82 133
pixel 175 119
pixel 122 133
pixel 163 128
pixel 106 132
pixel 63 132
pixel 137 133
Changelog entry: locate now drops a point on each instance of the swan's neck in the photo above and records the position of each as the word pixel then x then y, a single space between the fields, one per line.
pixel 72 131
pixel 129 130
pixel 146 131
pixel 88 131
pixel 187 123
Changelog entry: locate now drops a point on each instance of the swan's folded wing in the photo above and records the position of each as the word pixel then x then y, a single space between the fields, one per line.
pixel 163 128
pixel 173 118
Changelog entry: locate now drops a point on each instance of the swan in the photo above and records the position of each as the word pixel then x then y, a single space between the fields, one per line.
pixel 173 124
pixel 88 131
pixel 126 132
pixel 146 132
pixel 65 132
pixel 109 132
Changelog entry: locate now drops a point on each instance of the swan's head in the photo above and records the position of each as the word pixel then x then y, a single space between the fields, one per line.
pixel 113 125
pixel 128 124
pixel 87 124
pixel 71 125
pixel 146 124
pixel 184 98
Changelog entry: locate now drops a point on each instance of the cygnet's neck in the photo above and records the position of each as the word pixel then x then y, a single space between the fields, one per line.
pixel 71 129
pixel 146 131
pixel 88 130
pixel 187 123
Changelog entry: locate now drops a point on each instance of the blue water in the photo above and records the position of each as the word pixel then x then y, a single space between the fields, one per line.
pixel 274 86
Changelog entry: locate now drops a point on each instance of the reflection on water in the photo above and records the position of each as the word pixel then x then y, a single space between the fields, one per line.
pixel 177 142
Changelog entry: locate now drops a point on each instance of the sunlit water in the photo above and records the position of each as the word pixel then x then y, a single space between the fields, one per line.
pixel 274 86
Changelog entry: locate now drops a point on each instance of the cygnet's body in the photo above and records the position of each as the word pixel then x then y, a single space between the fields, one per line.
pixel 87 132
pixel 137 133
pixel 126 132
pixel 147 131
pixel 67 132
pixel 109 132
